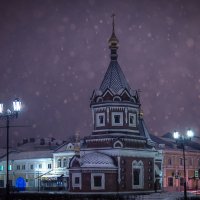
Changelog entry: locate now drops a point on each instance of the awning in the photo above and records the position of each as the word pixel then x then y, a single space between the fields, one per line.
pixel 50 177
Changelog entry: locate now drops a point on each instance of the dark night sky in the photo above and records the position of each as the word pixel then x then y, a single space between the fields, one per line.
pixel 54 53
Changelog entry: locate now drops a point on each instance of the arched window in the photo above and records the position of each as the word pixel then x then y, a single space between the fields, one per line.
pixel 118 144
pixel 59 163
pixel 116 98
pixel 137 174
pixel 99 99
pixel 64 162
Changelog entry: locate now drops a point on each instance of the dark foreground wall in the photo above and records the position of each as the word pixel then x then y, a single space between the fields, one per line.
pixel 42 196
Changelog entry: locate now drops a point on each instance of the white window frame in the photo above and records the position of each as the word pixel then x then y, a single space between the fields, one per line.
pixel 121 118
pixel 135 119
pixel 59 163
pixel 98 124
pixel 75 185
pixel 64 161
pixel 138 165
pixel 102 187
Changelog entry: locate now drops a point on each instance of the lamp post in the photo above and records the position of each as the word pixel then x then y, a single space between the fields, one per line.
pixel 8 115
pixel 183 140
pixel 38 181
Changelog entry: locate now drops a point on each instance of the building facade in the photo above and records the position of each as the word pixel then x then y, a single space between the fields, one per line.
pixel 36 167
pixel 173 163
pixel 119 156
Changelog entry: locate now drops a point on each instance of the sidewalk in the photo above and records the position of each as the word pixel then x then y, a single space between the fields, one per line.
pixel 164 196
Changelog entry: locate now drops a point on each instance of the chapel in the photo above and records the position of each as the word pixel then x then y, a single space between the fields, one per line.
pixel 119 155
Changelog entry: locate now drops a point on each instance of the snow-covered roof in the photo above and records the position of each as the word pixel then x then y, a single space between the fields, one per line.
pixel 144 132
pixel 114 78
pixel 30 155
pixel 97 160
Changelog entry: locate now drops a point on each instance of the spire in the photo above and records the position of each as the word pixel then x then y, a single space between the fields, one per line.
pixel 113 41
pixel 114 78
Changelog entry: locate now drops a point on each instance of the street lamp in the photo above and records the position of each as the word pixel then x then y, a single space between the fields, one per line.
pixel 183 140
pixel 7 115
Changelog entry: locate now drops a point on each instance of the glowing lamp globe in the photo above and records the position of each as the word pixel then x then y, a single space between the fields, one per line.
pixel 190 133
pixel 176 135
pixel 1 108
pixel 17 105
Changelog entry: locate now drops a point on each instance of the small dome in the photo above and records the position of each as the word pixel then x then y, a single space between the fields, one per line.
pixel 97 160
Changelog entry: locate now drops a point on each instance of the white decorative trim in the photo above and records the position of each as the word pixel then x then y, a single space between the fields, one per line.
pixel 93 116
pixel 75 185
pixel 139 166
pixel 99 169
pixel 100 109
pixel 117 98
pixel 98 124
pixel 102 187
pixel 70 146
pixel 117 108
pixel 108 115
pixel 128 152
pixel 118 142
pixel 119 169
pixel 99 99
pixel 126 111
pixel 107 92
pixel 119 130
pixel 124 91
pixel 133 99
pixel 120 119
pixel 116 104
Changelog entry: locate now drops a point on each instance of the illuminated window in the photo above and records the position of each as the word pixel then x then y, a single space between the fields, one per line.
pixel 1 167
pixel 10 167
